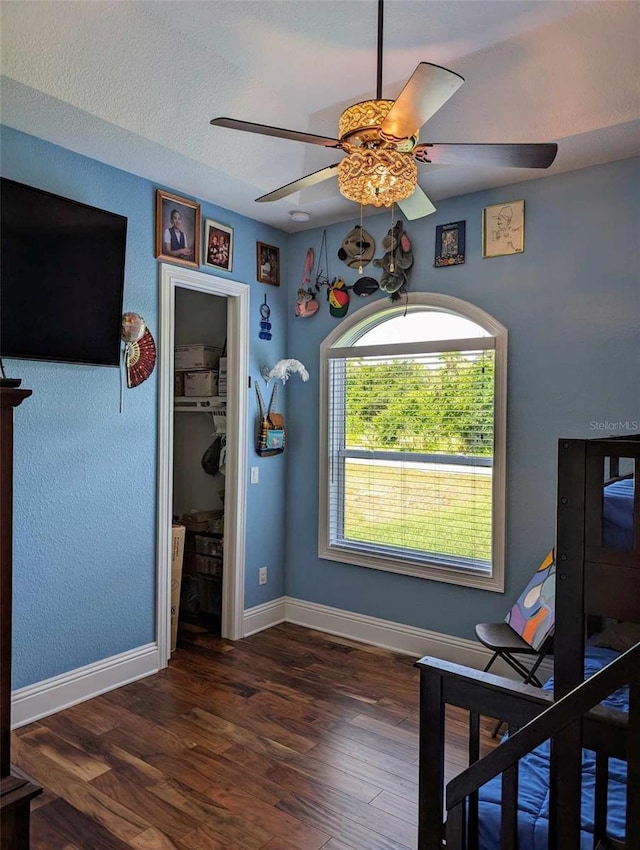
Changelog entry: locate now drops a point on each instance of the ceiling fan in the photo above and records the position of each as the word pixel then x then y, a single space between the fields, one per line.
pixel 380 140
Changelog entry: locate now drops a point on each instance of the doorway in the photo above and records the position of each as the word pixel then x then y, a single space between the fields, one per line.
pixel 236 294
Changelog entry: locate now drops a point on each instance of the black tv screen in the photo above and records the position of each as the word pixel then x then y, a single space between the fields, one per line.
pixel 62 278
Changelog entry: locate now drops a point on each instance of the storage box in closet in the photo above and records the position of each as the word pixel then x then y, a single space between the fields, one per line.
pixel 197 356
pixel 203 383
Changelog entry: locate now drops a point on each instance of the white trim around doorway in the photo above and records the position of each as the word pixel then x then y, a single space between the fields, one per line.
pixel 237 294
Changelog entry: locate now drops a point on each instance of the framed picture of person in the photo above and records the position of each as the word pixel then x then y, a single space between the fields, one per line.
pixel 450 240
pixel 218 245
pixel 177 229
pixel 503 229
pixel 268 264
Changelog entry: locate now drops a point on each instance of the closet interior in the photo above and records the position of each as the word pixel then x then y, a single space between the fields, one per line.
pixel 199 453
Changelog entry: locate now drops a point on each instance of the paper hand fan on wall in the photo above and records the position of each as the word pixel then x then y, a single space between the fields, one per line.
pixel 140 349
pixel 141 359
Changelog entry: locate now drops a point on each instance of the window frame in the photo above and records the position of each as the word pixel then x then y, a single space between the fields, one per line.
pixel 343 337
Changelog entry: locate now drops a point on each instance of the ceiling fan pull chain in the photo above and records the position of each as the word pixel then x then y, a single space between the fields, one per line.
pixel 360 269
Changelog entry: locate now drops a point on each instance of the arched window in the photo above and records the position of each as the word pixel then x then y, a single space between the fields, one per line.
pixel 412 458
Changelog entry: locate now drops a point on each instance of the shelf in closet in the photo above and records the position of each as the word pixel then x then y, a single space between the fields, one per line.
pixel 198 404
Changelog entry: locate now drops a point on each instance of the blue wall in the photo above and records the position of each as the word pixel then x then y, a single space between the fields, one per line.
pixel 85 474
pixel 571 303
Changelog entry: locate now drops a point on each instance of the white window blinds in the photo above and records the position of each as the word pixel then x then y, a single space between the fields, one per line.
pixel 410 448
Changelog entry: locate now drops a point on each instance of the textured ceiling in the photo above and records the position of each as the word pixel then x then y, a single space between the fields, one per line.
pixel 134 84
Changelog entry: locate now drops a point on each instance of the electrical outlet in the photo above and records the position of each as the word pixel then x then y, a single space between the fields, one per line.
pixel 262 575
pixel 255 474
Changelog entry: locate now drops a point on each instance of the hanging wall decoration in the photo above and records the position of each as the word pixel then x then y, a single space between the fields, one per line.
pixel 338 298
pixel 265 324
pixel 396 262
pixel 218 245
pixel 271 431
pixel 503 229
pixel 449 244
pixel 306 302
pixel 133 326
pixel 322 277
pixel 177 229
pixel 365 286
pixel 357 248
pixel 271 434
pixel 139 351
pixel 268 264
pixel 283 370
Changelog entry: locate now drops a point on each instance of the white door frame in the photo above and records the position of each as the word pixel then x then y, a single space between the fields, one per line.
pixel 237 294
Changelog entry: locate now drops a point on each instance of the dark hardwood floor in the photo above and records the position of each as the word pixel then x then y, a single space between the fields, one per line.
pixel 287 740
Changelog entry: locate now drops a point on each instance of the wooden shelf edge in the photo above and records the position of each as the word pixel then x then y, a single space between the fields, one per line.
pixel 198 404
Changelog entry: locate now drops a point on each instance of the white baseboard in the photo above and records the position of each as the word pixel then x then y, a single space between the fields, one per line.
pixel 264 616
pixel 398 637
pixel 408 640
pixel 51 695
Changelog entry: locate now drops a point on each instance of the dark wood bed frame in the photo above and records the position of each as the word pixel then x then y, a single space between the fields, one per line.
pixel 593 581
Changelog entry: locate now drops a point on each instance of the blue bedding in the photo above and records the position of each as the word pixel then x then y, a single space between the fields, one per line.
pixel 533 819
pixel 617 515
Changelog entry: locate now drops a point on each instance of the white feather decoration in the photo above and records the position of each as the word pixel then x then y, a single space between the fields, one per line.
pixel 283 369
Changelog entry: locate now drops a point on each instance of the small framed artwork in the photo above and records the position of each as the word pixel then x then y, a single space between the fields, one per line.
pixel 449 244
pixel 218 245
pixel 177 229
pixel 268 264
pixel 503 229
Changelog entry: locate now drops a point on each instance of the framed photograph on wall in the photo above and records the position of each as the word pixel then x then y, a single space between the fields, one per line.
pixel 449 244
pixel 177 229
pixel 218 245
pixel 268 264
pixel 503 229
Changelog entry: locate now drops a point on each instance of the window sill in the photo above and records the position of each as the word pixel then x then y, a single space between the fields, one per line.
pixel 463 578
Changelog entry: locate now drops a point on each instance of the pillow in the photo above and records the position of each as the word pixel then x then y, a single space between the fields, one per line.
pixel 619 636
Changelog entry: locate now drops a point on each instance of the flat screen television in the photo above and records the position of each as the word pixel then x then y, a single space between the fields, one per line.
pixel 61 278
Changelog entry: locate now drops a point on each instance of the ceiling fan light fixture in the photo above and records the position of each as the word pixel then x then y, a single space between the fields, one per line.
pixel 363 116
pixel 378 177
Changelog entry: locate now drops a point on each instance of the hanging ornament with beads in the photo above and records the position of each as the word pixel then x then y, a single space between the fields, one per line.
pixel 265 324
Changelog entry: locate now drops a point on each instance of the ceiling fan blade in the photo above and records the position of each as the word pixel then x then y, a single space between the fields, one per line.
pixel 515 156
pixel 428 88
pixel 266 130
pixel 416 205
pixel 302 183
